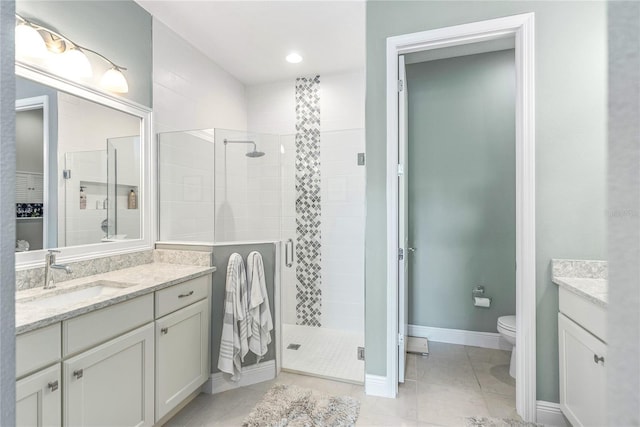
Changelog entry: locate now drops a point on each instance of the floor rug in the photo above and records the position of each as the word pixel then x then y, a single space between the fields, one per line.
pixel 289 405
pixel 497 422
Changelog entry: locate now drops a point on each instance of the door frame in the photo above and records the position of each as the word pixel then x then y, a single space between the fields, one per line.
pixel 522 28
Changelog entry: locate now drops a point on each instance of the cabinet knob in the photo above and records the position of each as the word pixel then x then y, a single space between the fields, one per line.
pixel 597 359
pixel 78 373
pixel 164 331
pixel 188 294
pixel 53 385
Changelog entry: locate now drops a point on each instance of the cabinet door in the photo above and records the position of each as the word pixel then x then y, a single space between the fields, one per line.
pixel 39 399
pixel 582 374
pixel 111 384
pixel 182 355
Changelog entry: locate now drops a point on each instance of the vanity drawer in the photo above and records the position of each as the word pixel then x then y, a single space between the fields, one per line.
pixel 93 328
pixel 587 314
pixel 37 349
pixel 174 298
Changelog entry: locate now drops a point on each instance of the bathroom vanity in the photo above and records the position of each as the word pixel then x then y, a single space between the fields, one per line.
pixel 582 339
pixel 125 347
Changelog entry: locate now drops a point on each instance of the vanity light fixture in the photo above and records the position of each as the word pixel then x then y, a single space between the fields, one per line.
pixel 64 55
pixel 29 43
pixel 72 63
pixel 293 58
pixel 114 81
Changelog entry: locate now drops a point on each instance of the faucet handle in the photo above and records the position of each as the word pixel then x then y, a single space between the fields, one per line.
pixel 50 257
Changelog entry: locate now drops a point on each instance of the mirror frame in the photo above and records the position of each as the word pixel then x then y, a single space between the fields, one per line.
pixel 32 259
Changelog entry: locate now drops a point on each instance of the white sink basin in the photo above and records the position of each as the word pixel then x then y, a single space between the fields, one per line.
pixel 68 297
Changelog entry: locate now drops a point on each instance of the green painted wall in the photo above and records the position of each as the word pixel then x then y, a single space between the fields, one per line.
pixel 462 189
pixel 570 149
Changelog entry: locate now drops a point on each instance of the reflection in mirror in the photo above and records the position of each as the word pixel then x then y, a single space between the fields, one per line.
pixel 30 140
pixel 79 170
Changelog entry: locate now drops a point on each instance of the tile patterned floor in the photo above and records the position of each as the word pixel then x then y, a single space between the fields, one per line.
pixel 328 353
pixel 453 382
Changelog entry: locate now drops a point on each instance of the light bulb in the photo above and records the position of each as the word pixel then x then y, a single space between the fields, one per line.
pixel 72 63
pixel 113 80
pixel 294 58
pixel 29 43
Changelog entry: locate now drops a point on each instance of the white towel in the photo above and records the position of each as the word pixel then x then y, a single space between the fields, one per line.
pixel 236 325
pixel 259 312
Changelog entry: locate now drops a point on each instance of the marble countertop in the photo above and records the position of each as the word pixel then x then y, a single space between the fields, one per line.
pixel 595 290
pixel 128 283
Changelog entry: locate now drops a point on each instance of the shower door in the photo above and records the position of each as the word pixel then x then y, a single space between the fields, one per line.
pixel 322 295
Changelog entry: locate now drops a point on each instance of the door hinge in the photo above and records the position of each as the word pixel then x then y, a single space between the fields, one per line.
pixel 400 339
pixel 400 169
pixel 400 254
pixel 360 353
pixel 400 85
pixel 66 173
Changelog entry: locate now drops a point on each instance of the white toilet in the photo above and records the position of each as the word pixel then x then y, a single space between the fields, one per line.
pixel 507 328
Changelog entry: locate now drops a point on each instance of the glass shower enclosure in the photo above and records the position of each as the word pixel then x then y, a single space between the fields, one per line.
pixel 220 186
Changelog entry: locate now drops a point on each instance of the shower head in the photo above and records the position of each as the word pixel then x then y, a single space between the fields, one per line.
pixel 253 154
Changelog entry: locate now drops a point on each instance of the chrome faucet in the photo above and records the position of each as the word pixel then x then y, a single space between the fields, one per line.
pixel 49 263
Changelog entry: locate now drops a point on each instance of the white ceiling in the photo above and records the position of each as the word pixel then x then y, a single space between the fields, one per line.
pixel 250 39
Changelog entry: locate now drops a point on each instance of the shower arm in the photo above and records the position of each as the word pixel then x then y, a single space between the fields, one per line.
pixel 226 141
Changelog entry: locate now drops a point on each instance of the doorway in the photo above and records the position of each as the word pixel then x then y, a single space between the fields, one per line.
pixel 518 28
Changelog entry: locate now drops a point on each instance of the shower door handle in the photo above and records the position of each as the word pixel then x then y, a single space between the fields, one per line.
pixel 288 257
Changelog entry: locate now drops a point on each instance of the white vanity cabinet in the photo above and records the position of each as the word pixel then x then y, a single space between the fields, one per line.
pixel 38 389
pixel 182 343
pixel 39 399
pixel 583 358
pixel 127 364
pixel 111 384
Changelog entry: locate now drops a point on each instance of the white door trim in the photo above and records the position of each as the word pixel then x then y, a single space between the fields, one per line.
pixel 522 28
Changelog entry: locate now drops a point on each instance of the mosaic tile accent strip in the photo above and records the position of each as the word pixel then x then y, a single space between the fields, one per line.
pixel 308 245
pixel 583 269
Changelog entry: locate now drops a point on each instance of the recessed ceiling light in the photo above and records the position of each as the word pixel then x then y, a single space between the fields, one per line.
pixel 294 58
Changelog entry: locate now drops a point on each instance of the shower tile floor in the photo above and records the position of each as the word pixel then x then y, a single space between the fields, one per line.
pixel 323 352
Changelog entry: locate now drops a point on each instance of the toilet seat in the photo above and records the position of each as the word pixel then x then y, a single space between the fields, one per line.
pixel 508 323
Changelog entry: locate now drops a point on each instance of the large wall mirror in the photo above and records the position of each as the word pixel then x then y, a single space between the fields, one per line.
pixel 82 170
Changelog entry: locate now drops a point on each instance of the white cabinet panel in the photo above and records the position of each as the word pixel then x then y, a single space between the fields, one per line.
pixel 582 374
pixel 182 355
pixel 112 384
pixel 174 298
pixel 96 327
pixel 584 312
pixel 37 349
pixel 39 399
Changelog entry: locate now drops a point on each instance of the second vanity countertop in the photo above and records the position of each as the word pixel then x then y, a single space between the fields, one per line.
pixel 595 290
pixel 585 278
pixel 136 281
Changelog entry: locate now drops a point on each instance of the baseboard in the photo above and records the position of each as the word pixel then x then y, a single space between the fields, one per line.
pixel 377 385
pixel 252 374
pixel 549 414
pixel 459 336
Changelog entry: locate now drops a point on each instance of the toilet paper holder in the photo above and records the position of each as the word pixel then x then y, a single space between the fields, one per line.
pixel 478 291
pixel 479 299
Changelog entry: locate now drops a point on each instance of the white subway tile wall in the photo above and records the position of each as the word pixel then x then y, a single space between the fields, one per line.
pixel 186 186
